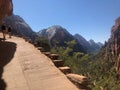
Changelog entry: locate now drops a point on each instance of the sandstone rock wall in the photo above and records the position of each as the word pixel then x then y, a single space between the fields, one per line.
pixel 115 38
pixel 6 9
pixel 114 44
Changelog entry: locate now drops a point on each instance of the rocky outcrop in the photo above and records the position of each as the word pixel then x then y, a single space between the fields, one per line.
pixel 113 46
pixel 115 38
pixel 6 9
pixel 19 26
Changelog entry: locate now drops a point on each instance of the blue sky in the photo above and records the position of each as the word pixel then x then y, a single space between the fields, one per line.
pixel 92 19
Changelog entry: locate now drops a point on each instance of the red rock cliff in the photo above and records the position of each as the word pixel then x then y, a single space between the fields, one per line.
pixel 114 44
pixel 6 8
pixel 115 38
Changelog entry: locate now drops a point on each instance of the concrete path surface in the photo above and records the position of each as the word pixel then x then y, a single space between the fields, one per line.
pixel 23 67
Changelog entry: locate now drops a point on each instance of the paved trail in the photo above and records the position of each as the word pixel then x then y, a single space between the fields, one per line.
pixel 23 67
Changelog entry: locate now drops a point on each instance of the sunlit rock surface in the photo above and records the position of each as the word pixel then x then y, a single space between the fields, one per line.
pixel 113 47
pixel 6 8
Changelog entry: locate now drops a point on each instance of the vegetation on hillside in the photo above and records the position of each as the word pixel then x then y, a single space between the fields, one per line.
pixel 42 42
pixel 98 68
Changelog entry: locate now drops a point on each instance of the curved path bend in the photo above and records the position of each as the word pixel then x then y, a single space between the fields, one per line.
pixel 23 67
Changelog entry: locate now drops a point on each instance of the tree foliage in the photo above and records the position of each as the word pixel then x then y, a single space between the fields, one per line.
pixel 99 69
pixel 42 42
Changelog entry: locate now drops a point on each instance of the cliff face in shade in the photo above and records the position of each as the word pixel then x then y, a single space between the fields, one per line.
pixel 6 9
pixel 19 26
pixel 113 47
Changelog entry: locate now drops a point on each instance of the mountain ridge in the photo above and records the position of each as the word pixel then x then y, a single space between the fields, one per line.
pixel 60 34
pixel 19 26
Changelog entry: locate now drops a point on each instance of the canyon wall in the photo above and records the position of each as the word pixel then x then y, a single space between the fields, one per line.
pixel 6 9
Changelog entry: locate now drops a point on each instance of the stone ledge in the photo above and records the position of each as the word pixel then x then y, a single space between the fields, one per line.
pixel 54 56
pixel 47 54
pixel 58 63
pixel 80 79
pixel 65 69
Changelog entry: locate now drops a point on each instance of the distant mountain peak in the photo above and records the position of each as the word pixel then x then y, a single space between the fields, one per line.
pixel 56 28
pixel 50 32
pixel 91 41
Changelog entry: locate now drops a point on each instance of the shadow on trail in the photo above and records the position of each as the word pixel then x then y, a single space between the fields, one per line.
pixel 7 51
